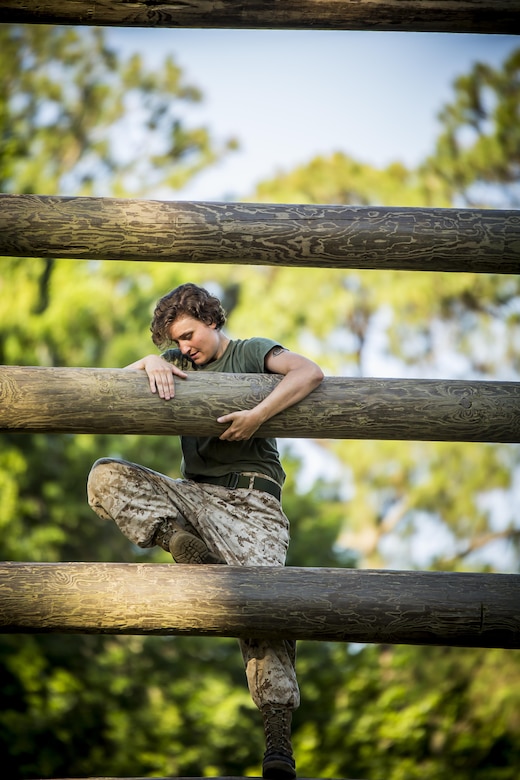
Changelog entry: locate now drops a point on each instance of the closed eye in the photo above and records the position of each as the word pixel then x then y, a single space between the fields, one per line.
pixel 184 337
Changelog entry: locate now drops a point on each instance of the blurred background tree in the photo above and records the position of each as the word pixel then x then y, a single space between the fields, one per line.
pixel 124 706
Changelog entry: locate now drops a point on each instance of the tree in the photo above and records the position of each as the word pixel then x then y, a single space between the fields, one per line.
pixel 62 96
pixel 178 706
pixel 477 155
pixel 85 704
pixel 413 324
pixel 411 712
pixel 67 100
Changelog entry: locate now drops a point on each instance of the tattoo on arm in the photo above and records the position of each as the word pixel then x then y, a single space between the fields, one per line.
pixel 278 351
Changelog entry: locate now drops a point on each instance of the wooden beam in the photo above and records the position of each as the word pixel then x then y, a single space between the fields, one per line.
pixel 452 16
pixel 92 400
pixel 338 605
pixel 475 240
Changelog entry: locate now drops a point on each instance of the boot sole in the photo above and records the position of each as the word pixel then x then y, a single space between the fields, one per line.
pixel 278 768
pixel 278 771
pixel 186 548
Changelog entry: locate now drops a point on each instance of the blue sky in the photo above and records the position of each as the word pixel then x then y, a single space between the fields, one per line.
pixel 291 95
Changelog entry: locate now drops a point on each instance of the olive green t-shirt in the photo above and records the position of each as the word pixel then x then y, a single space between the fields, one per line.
pixel 211 457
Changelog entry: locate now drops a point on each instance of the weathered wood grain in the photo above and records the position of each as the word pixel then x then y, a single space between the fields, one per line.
pixel 225 777
pixel 417 239
pixel 457 16
pixel 339 605
pixel 92 400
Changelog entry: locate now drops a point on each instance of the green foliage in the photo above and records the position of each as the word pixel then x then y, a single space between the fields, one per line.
pixel 459 326
pixel 340 179
pixel 477 154
pixel 122 706
pixel 66 100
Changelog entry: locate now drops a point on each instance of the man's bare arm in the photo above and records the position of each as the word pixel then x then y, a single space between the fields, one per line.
pixel 300 377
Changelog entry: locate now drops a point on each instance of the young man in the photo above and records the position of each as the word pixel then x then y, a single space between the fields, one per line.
pixel 227 507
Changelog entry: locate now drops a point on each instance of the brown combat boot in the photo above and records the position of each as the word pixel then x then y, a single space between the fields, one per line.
pixel 184 546
pixel 187 548
pixel 278 763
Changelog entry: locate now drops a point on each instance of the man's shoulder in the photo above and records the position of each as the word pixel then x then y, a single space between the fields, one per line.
pixel 255 343
pixel 248 355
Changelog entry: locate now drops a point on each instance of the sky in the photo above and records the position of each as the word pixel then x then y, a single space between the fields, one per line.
pixel 291 95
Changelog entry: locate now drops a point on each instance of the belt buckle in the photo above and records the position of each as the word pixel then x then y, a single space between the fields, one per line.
pixel 234 477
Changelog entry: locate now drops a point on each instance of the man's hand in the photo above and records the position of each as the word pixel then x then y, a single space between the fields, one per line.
pixel 241 425
pixel 300 377
pixel 160 374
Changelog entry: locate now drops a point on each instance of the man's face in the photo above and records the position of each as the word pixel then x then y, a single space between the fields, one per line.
pixel 200 342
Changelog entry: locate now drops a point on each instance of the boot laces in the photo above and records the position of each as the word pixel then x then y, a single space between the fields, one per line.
pixel 277 726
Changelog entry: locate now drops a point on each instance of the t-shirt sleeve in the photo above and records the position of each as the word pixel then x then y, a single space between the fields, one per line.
pixel 255 353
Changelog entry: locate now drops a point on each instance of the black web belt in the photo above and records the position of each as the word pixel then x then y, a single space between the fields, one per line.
pixel 237 480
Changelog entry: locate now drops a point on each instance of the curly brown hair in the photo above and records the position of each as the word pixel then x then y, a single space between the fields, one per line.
pixel 187 299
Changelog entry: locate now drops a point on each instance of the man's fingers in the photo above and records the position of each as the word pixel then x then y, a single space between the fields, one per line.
pixel 163 384
pixel 162 381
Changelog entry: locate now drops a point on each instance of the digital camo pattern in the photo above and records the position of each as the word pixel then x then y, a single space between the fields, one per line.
pixel 244 527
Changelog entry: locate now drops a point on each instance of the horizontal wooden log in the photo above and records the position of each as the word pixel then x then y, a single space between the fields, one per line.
pixel 339 605
pixel 92 400
pixel 457 16
pixel 475 240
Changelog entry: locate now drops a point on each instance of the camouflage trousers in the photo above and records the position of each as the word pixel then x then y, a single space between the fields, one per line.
pixel 244 527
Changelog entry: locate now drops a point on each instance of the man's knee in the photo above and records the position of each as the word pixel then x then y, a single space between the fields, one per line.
pixel 112 464
pixel 99 479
